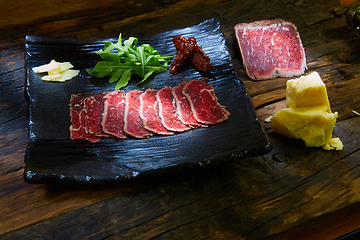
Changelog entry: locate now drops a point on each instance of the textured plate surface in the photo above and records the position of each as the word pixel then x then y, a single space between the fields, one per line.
pixel 52 156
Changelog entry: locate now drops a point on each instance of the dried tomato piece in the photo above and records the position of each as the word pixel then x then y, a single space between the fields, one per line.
pixel 189 50
pixel 202 61
pixel 186 50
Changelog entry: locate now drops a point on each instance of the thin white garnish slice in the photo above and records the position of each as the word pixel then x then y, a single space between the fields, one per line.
pixel 57 71
pixel 47 67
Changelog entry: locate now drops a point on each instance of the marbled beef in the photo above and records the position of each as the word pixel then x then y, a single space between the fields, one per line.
pixel 270 49
pixel 140 114
pixel 78 123
pixel 132 121
pixel 204 103
pixel 149 113
pixel 94 107
pixel 167 111
pixel 183 107
pixel 113 116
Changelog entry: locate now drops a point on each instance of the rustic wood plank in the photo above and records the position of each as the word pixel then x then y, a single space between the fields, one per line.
pixel 251 198
pixel 259 193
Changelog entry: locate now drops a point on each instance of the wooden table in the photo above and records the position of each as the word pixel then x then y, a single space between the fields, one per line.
pixel 293 192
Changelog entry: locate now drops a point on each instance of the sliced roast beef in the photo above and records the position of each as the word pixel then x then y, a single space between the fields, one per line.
pixel 140 114
pixel 149 113
pixel 94 107
pixel 132 121
pixel 78 123
pixel 270 49
pixel 204 103
pixel 183 107
pixel 167 111
pixel 113 115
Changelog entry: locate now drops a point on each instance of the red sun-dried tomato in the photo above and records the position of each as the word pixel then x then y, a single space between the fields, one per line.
pixel 189 50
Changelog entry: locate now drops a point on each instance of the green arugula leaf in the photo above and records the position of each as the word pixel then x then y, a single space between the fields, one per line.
pixel 124 79
pixel 123 59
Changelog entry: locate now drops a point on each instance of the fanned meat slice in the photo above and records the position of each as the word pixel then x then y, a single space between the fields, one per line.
pixel 149 113
pixel 183 107
pixel 167 111
pixel 204 103
pixel 270 49
pixel 113 116
pixel 132 121
pixel 141 114
pixel 94 107
pixel 77 116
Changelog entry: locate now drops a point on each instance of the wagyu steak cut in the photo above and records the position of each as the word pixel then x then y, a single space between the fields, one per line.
pixel 270 49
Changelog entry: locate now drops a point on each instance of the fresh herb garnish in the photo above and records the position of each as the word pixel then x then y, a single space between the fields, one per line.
pixel 123 60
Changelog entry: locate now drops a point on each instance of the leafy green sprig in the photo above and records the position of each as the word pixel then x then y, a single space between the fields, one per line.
pixel 120 61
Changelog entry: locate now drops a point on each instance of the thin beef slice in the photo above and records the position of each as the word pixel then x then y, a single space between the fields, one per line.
pixel 149 113
pixel 270 49
pixel 183 107
pixel 77 118
pixel 132 121
pixel 113 116
pixel 204 103
pixel 167 111
pixel 94 107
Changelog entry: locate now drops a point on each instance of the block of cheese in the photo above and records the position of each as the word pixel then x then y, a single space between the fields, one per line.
pixel 307 115
pixel 306 91
pixel 314 125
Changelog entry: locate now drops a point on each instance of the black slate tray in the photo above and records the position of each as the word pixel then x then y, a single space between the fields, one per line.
pixel 52 156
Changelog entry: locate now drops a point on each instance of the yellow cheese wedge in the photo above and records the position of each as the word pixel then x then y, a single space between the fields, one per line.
pixel 314 125
pixel 306 91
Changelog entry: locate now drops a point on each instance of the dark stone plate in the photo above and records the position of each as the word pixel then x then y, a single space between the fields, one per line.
pixel 52 156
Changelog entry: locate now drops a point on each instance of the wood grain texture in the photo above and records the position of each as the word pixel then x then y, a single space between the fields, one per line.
pixel 293 192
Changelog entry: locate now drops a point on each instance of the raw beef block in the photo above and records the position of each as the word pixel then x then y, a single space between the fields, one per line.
pixel 270 49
